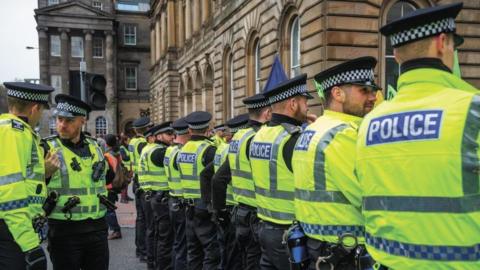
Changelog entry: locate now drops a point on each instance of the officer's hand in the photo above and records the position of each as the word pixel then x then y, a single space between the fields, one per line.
pixel 222 218
pixel 52 164
pixel 311 118
pixel 36 259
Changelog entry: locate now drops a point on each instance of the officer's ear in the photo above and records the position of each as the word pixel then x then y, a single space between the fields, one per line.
pixel 338 94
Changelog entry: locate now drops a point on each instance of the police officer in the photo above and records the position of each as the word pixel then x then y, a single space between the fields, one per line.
pixel 328 196
pixel 417 155
pixel 140 126
pixel 145 194
pixel 77 227
pixel 219 134
pixel 153 181
pixel 270 158
pixel 22 177
pixel 176 205
pixel 237 172
pixel 202 244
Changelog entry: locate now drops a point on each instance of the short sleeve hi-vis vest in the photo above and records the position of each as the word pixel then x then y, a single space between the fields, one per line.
pixel 134 155
pixel 242 182
pixel 273 180
pixel 68 182
pixel 174 183
pixel 327 193
pixel 189 162
pixel 220 158
pixel 22 179
pixel 418 166
pixel 150 176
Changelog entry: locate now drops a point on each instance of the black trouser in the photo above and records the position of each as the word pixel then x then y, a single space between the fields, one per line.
pixel 246 232
pixel 146 198
pixel 163 231
pixel 140 227
pixel 274 252
pixel 177 219
pixel 87 251
pixel 339 258
pixel 111 215
pixel 231 258
pixel 11 256
pixel 203 250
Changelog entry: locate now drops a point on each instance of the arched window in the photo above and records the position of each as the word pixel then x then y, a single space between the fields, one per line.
pixel 227 97
pixel 52 125
pixel 392 68
pixel 253 65
pixel 258 68
pixel 100 126
pixel 295 48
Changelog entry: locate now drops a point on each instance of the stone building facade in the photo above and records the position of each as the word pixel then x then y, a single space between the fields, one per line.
pixel 113 39
pixel 209 55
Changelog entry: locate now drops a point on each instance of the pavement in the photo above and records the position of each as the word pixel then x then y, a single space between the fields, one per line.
pixel 122 251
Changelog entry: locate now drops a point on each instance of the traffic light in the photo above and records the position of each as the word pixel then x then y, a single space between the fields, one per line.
pixel 95 85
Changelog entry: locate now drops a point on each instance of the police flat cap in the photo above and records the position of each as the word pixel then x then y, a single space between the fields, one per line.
pixel 198 120
pixel 180 126
pixel 422 23
pixel 238 122
pixel 70 106
pixel 359 71
pixel 150 131
pixel 256 101
pixel 38 93
pixel 296 86
pixel 163 128
pixel 141 122
pixel 219 127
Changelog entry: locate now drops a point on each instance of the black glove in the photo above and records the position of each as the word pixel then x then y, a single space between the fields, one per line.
pixel 36 259
pixel 221 218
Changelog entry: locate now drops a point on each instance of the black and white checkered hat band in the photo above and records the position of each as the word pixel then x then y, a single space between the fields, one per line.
pixel 419 32
pixel 63 106
pixel 181 131
pixel 257 105
pixel 199 126
pixel 162 130
pixel 27 95
pixel 295 90
pixel 235 129
pixel 351 76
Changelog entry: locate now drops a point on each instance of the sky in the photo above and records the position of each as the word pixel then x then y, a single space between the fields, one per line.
pixel 18 28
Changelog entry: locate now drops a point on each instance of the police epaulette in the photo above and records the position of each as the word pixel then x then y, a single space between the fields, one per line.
pixel 49 138
pixel 291 129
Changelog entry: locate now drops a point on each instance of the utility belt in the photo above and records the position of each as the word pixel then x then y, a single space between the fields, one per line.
pixel 274 226
pixel 245 215
pixel 160 196
pixel 176 203
pixel 196 208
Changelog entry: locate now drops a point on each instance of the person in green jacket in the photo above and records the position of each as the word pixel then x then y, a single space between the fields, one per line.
pixel 327 193
pixel 22 177
pixel 417 158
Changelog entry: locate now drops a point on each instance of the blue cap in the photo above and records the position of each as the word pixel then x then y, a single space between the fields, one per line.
pixel 38 93
pixel 198 120
pixel 358 71
pixel 422 23
pixel 238 122
pixel 69 106
pixel 180 126
pixel 256 101
pixel 296 86
pixel 141 122
pixel 277 75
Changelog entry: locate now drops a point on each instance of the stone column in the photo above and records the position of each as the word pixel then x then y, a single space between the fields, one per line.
pixel 43 54
pixel 111 107
pixel 181 25
pixel 196 16
pixel 205 10
pixel 157 38
pixel 152 46
pixel 163 27
pixel 171 23
pixel 65 52
pixel 88 49
pixel 188 19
